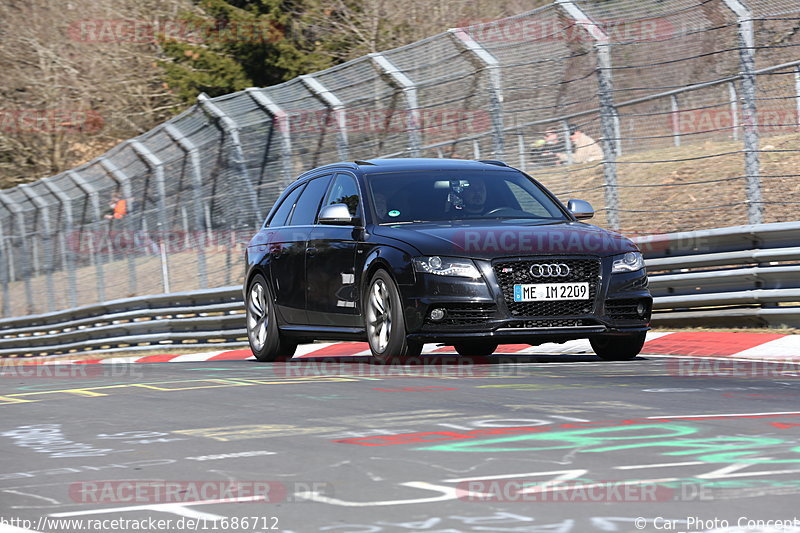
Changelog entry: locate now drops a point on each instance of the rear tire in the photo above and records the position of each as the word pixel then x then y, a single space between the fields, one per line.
pixel 476 348
pixel 266 342
pixel 618 347
pixel 385 323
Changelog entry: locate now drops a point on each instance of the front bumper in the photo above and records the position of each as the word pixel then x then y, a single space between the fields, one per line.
pixel 478 309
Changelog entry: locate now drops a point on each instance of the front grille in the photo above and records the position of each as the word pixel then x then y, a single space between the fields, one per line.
pixel 465 314
pixel 551 323
pixel 519 272
pixel 623 309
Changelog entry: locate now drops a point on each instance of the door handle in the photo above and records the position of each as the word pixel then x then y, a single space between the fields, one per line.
pixel 311 251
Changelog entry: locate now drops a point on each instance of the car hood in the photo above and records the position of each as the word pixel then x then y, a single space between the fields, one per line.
pixel 501 238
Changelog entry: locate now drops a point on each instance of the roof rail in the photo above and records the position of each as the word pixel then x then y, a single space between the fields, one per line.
pixel 493 162
pixel 360 162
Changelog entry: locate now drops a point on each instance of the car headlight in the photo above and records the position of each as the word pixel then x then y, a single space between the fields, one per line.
pixel 446 266
pixel 629 262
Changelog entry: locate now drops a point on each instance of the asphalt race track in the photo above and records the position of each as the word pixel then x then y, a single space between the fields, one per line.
pixel 546 443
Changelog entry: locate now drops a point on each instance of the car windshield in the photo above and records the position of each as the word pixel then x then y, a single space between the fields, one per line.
pixel 451 195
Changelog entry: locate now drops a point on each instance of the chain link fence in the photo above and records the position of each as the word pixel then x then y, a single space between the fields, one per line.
pixel 667 115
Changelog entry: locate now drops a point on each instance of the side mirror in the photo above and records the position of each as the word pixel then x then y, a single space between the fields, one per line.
pixel 337 214
pixel 580 208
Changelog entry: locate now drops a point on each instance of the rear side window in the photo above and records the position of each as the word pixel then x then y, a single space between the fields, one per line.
pixel 282 213
pixel 344 191
pixel 305 212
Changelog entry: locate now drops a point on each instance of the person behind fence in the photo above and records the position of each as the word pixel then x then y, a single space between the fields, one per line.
pixel 584 148
pixel 118 207
pixel 547 151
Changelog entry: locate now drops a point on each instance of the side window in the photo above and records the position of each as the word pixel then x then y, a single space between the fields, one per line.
pixel 344 191
pixel 305 212
pixel 282 213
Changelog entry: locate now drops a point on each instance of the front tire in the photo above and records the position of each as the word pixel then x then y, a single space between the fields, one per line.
pixel 618 347
pixel 266 342
pixel 385 323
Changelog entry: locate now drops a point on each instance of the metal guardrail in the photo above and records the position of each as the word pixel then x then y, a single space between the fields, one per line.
pixel 722 277
pixel 740 276
pixel 213 317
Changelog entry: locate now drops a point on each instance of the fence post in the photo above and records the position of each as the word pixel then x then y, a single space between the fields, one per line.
pixel 19 222
pixel 337 108
pixel 609 119
pixel 676 120
pixel 492 66
pixel 280 120
pixel 734 109
pixel 156 166
pixel 797 90
pixel 4 271
pixel 46 238
pixel 94 198
pixel 521 151
pixel 124 183
pixel 749 109
pixel 231 130
pixel 567 141
pixel 66 256
pixel 193 155
pixel 409 88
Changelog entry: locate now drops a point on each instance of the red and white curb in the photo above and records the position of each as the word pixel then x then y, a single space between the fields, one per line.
pixel 739 345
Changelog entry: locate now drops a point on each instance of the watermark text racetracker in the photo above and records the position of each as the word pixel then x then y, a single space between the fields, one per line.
pixel 724 368
pixel 527 29
pixel 13 370
pixel 140 241
pixel 378 121
pixel 618 491
pixel 50 121
pixel 195 31
pixel 535 240
pixel 183 491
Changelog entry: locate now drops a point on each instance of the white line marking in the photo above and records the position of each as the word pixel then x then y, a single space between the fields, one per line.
pixel 729 414
pixel 120 360
pixel 660 465
pixel 173 508
pixel 45 498
pixel 565 475
pixel 194 357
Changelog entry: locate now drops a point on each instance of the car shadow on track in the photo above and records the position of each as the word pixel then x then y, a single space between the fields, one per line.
pixel 451 360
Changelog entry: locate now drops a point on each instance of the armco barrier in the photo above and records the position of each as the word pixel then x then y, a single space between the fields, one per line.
pixel 746 276
pixel 728 277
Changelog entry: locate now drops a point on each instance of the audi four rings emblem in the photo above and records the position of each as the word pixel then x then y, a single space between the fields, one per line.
pixel 553 270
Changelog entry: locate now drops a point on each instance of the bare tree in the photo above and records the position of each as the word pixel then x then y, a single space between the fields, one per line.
pixel 76 81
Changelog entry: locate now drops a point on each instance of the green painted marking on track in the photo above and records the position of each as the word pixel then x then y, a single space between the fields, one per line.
pixel 579 438
pixel 710 450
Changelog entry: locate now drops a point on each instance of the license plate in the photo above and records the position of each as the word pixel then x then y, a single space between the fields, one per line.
pixel 543 292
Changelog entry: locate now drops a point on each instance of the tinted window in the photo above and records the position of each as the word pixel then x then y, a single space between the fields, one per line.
pixel 282 213
pixel 459 195
pixel 305 212
pixel 344 191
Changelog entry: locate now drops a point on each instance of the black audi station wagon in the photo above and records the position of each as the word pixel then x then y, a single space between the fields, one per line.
pixel 400 252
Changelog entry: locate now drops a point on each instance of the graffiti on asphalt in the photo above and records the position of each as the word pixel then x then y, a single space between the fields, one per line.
pixel 49 439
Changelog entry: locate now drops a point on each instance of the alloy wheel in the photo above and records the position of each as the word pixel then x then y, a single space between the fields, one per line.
pixel 257 316
pixel 379 315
